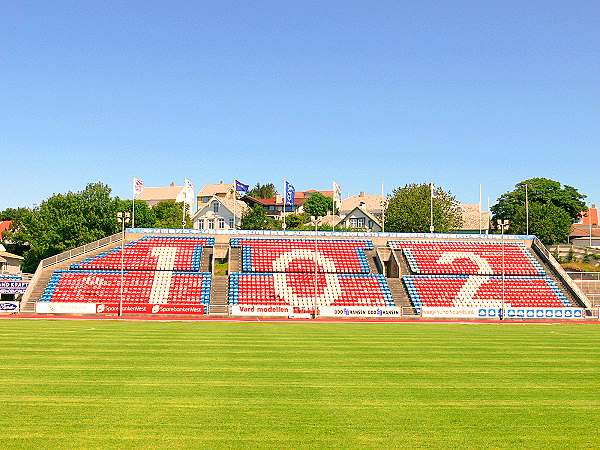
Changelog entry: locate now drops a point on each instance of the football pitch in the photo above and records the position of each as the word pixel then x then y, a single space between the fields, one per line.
pixel 118 384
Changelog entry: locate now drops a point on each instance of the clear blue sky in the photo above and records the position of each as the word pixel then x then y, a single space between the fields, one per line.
pixel 460 93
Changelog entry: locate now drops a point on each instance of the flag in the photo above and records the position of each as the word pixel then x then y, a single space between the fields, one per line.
pixel 434 194
pixel 290 193
pixel 337 196
pixel 241 187
pixel 138 186
pixel 188 184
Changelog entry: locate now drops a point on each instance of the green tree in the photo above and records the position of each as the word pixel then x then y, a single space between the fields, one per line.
pixel 553 208
pixel 65 221
pixel 256 218
pixel 169 214
pixel 145 217
pixel 318 205
pixel 295 221
pixel 263 191
pixel 408 210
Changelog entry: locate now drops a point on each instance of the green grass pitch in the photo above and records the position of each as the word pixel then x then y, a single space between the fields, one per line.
pixel 84 384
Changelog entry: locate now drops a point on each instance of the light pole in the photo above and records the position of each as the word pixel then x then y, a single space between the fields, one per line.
pixel 384 204
pixel 316 221
pixel 503 224
pixel 122 218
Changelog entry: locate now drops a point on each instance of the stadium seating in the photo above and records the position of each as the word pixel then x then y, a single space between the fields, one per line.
pixel 298 289
pixel 477 291
pixel 298 255
pixel 468 258
pixel 146 287
pixel 180 253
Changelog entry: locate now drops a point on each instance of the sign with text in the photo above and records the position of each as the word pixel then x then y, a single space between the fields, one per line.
pixel 495 313
pixel 262 310
pixel 9 307
pixel 360 311
pixel 13 287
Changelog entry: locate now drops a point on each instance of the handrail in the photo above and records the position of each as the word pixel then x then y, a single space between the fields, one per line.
pixel 562 274
pixel 78 251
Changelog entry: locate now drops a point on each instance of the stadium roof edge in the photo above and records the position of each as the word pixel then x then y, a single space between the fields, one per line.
pixel 365 234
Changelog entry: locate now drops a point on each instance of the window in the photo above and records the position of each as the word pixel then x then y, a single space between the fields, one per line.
pixel 211 224
pixel 221 222
pixel 215 206
pixel 231 222
pixel 205 199
pixel 357 222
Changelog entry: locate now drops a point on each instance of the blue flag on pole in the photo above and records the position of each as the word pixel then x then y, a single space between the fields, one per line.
pixel 241 187
pixel 290 193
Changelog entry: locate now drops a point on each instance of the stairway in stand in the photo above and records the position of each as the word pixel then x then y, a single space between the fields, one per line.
pixel 400 296
pixel 218 296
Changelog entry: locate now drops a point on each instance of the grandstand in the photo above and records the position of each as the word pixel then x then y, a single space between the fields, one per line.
pixel 298 273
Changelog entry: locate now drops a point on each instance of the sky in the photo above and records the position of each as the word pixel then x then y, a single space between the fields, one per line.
pixel 458 93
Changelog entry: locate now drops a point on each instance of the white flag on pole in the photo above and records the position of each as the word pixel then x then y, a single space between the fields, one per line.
pixel 337 196
pixel 138 186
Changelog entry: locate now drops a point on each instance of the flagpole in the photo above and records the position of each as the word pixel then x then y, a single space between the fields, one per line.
pixel 431 209
pixel 133 213
pixel 480 218
pixel 527 207
pixel 489 214
pixel 234 202
pixel 284 204
pixel 333 212
pixel 184 204
pixel 382 209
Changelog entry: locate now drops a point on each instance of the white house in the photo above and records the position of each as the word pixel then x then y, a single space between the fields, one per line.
pixel 219 213
pixel 360 219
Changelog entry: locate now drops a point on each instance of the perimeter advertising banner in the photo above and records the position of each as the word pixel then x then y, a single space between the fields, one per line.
pixel 262 310
pixel 13 287
pixel 113 308
pixel 359 311
pixel 494 313
pixel 8 307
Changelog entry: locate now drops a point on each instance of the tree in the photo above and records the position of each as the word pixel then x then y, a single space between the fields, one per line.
pixel 256 218
pixel 408 210
pixel 170 214
pixel 295 221
pixel 65 221
pixel 553 208
pixel 145 217
pixel 263 191
pixel 318 205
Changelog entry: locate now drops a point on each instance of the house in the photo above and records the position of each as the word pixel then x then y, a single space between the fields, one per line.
pixel 9 262
pixel 221 190
pixel 4 226
pixel 588 225
pixel 178 194
pixel 473 220
pixel 219 213
pixel 274 206
pixel 359 218
pixel 368 202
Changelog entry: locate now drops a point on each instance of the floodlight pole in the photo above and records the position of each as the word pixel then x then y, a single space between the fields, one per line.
pixel 122 218
pixel 315 257
pixel 502 223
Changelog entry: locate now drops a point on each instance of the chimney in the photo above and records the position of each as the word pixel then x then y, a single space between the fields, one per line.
pixel 362 194
pixel 172 184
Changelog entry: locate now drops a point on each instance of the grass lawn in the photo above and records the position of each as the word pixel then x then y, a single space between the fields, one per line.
pixel 78 384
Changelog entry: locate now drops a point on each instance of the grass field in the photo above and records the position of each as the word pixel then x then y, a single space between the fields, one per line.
pixel 77 384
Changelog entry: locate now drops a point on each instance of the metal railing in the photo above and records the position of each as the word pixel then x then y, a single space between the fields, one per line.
pixel 561 274
pixel 584 276
pixel 47 262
